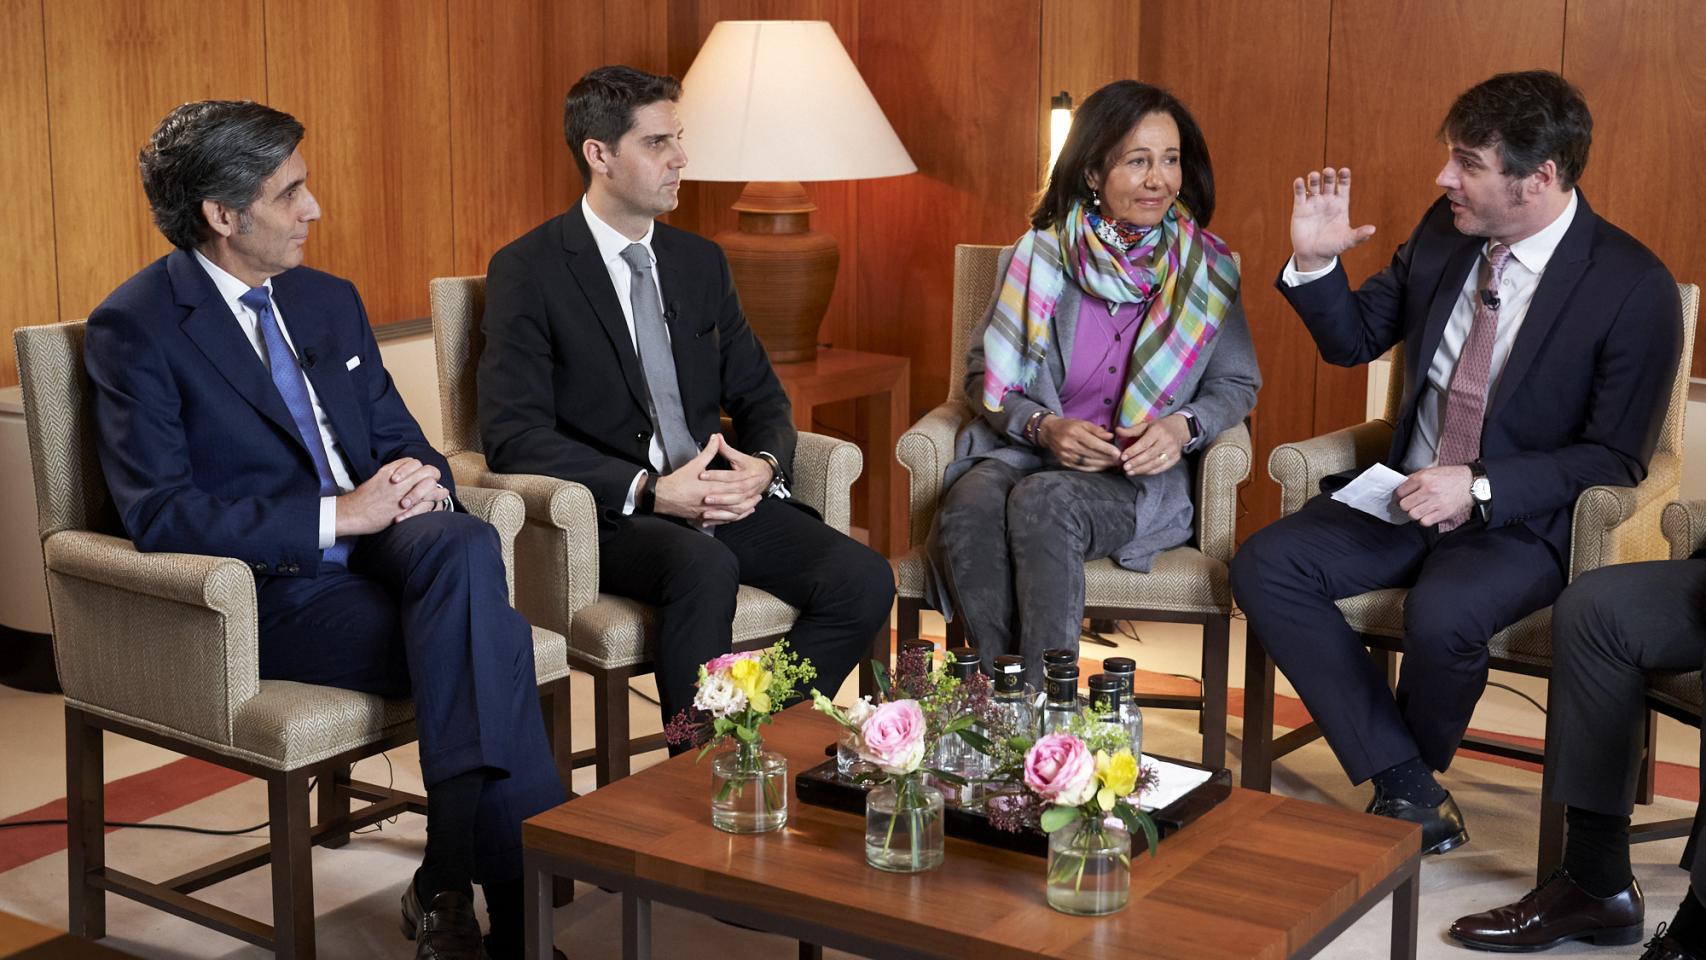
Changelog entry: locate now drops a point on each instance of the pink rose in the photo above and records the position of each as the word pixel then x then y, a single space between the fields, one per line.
pixel 893 737
pixel 1061 770
pixel 725 662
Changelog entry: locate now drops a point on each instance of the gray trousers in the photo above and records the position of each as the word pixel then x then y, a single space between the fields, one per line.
pixel 1609 629
pixel 1013 548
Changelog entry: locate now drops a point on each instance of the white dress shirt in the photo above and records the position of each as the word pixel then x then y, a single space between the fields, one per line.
pixel 232 289
pixel 1516 289
pixel 611 243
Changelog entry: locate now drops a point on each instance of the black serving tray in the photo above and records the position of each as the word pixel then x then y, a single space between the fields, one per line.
pixel 821 786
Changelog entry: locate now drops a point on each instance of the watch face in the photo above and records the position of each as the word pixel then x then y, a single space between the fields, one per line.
pixel 1481 489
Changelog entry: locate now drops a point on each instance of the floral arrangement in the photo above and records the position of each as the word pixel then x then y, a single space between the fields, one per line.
pixel 736 694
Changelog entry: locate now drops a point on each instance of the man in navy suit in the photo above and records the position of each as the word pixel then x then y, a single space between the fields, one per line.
pixel 613 344
pixel 1539 346
pixel 242 410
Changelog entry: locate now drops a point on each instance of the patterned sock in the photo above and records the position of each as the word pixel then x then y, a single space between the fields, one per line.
pixel 1596 851
pixel 1412 781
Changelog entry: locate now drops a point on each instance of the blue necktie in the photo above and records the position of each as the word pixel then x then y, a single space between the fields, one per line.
pixel 293 387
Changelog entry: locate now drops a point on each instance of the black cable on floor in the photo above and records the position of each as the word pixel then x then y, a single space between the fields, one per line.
pixel 176 827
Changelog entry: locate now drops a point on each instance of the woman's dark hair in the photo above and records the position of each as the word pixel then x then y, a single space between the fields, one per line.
pixel 219 150
pixel 1532 117
pixel 1098 128
pixel 600 106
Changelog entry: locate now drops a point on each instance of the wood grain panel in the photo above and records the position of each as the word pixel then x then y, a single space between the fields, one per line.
pixel 1396 67
pixel 371 83
pixel 1086 44
pixel 1639 65
pixel 1255 77
pixel 636 33
pixel 115 67
pixel 511 64
pixel 28 290
pixel 948 76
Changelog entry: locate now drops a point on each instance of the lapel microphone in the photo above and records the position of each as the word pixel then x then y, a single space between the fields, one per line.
pixel 307 359
pixel 669 313
pixel 1490 299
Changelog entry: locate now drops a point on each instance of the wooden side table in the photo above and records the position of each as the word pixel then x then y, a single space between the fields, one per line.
pixel 878 382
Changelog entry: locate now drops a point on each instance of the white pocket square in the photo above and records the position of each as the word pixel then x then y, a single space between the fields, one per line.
pixel 352 363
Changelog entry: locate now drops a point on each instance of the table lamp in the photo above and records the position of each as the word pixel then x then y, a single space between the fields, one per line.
pixel 774 103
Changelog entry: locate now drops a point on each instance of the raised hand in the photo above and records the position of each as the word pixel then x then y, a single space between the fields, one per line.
pixel 1321 218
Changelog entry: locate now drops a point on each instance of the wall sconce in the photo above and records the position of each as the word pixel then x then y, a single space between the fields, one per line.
pixel 1059 122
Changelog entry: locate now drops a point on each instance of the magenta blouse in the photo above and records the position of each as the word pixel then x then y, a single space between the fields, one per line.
pixel 1101 352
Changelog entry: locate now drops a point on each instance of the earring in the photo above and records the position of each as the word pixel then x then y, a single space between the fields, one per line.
pixel 1095 198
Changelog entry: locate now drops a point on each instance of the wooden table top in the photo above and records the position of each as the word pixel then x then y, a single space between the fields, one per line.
pixel 20 938
pixel 1258 876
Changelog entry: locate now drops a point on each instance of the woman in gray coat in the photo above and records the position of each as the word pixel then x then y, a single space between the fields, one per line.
pixel 1114 349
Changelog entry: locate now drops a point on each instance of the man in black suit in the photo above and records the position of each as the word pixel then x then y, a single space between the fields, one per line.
pixel 242 409
pixel 1539 345
pixel 613 345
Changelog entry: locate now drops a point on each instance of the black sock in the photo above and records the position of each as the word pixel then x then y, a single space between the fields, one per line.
pixel 1689 927
pixel 1412 781
pixel 503 910
pixel 1596 851
pixel 449 863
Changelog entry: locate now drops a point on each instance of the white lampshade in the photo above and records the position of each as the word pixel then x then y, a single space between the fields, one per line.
pixel 781 100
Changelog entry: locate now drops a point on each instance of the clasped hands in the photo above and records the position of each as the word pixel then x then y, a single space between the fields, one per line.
pixel 708 498
pixel 1141 450
pixel 397 491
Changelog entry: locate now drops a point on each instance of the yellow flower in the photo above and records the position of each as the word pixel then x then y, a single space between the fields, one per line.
pixel 754 681
pixel 1118 776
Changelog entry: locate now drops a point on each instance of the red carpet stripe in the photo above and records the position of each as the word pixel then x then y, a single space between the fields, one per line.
pixel 131 799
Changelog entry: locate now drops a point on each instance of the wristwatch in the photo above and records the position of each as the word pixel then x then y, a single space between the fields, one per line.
pixel 778 477
pixel 647 501
pixel 1480 490
pixel 1191 424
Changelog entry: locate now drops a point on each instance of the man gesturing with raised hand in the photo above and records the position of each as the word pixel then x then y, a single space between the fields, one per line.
pixel 1539 344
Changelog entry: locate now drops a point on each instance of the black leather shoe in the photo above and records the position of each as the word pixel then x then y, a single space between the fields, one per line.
pixel 1662 947
pixel 447 930
pixel 1442 825
pixel 1555 912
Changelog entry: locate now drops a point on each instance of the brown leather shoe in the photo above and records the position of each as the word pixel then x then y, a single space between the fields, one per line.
pixel 1662 947
pixel 1552 913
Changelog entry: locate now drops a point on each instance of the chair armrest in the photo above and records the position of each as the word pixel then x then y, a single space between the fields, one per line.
pixel 1684 524
pixel 556 549
pixel 1224 465
pixel 1622 524
pixel 824 471
pixel 925 451
pixel 1299 467
pixel 502 509
pixel 165 639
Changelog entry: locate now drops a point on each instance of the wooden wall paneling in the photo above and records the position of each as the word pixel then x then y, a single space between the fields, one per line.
pixel 1255 77
pixel 958 81
pixel 1086 44
pixel 114 68
pixel 511 64
pixel 1396 67
pixel 1639 65
pixel 636 33
pixel 28 279
pixel 371 82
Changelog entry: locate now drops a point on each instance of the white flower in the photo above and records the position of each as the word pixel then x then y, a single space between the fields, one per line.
pixel 719 697
pixel 1079 797
pixel 861 708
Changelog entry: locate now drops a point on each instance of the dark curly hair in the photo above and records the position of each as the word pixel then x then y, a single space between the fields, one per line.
pixel 220 150
pixel 1099 126
pixel 1531 117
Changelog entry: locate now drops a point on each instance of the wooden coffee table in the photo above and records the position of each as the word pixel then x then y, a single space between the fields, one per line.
pixel 1259 876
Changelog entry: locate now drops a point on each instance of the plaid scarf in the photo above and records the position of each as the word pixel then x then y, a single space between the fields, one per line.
pixel 1185 272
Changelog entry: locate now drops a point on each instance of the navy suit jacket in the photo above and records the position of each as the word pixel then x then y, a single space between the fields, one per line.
pixel 199 451
pixel 562 392
pixel 1584 392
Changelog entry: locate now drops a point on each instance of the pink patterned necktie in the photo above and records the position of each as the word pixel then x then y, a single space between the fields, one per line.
pixel 1466 398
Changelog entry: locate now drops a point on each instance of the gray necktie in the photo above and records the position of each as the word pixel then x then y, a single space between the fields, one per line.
pixel 659 364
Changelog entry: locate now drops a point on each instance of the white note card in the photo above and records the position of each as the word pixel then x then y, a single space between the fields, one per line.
pixel 1372 493
pixel 1175 781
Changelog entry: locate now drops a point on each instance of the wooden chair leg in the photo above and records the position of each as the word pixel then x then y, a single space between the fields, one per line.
pixel 1387 661
pixel 610 719
pixel 1549 854
pixel 906 617
pixel 292 871
pixel 85 808
pixel 955 632
pixel 555 703
pixel 333 803
pixel 883 644
pixel 1216 652
pixel 1258 752
pixel 1650 763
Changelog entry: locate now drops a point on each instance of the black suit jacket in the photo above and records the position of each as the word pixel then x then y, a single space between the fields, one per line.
pixel 198 448
pixel 561 389
pixel 1585 389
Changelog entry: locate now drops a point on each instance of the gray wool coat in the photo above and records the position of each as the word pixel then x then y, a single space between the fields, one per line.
pixel 1220 390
